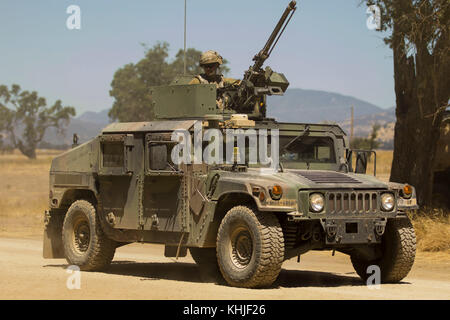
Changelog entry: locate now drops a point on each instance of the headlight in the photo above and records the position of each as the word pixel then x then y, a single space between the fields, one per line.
pixel 387 201
pixel 316 202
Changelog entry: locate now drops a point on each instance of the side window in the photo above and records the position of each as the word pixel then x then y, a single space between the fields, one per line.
pixel 113 154
pixel 323 153
pixel 157 156
pixel 158 152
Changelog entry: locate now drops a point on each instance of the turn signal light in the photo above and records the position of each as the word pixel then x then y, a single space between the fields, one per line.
pixel 407 190
pixel 276 192
pixel 262 196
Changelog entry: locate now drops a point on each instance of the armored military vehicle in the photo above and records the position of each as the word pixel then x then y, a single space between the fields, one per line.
pixel 241 216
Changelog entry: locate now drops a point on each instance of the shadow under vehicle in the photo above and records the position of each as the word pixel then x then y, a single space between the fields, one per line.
pixel 241 217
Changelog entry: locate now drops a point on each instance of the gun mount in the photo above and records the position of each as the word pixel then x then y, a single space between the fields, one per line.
pixel 249 96
pixel 181 100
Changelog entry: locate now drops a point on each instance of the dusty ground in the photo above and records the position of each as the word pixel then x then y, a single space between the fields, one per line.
pixel 142 272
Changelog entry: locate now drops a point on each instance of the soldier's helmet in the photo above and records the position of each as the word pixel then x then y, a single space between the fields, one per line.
pixel 209 57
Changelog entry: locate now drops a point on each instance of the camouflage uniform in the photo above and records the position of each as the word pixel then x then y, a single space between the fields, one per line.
pixel 212 57
pixel 218 79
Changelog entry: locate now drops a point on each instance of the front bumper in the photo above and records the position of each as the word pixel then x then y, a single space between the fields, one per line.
pixel 353 231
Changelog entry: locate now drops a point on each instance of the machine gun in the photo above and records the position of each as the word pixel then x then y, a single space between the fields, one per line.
pixel 249 95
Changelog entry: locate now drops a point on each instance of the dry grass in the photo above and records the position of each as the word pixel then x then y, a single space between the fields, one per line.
pixel 24 192
pixel 24 198
pixel 432 227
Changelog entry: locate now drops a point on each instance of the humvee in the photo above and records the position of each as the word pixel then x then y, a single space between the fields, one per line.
pixel 242 217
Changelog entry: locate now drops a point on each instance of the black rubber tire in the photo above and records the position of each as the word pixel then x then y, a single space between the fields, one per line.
pixel 398 252
pixel 93 254
pixel 204 256
pixel 261 246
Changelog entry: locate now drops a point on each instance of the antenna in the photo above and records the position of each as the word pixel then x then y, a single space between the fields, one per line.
pixel 184 37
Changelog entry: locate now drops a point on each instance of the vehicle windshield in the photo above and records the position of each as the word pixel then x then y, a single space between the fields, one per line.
pixel 307 149
pixel 293 150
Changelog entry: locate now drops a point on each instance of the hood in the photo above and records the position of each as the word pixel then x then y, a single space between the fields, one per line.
pixel 312 179
pixel 320 179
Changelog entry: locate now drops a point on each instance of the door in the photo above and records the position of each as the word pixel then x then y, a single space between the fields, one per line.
pixel 164 198
pixel 120 178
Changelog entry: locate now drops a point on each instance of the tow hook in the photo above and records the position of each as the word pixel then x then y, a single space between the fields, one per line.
pixel 331 229
pixel 380 226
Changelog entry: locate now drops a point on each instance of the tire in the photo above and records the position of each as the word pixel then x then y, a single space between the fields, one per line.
pixel 398 248
pixel 204 256
pixel 250 248
pixel 85 244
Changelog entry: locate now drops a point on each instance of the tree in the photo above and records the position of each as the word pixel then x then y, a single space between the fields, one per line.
pixel 369 143
pixel 131 84
pixel 420 44
pixel 25 117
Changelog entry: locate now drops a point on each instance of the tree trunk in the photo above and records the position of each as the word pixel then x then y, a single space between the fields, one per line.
pixel 29 151
pixel 419 98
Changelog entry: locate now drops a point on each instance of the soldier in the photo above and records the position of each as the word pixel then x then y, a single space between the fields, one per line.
pixel 210 62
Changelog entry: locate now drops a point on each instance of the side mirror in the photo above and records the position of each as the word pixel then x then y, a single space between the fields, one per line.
pixel 361 162
pixel 349 158
pixel 158 156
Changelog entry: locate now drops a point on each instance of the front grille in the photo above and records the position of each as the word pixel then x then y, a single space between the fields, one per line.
pixel 353 202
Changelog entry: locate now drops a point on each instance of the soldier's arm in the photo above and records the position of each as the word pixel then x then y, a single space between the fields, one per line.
pixel 194 81
pixel 231 81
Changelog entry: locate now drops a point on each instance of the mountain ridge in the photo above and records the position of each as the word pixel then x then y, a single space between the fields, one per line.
pixel 296 105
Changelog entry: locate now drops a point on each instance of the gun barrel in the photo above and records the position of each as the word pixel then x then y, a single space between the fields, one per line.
pixel 265 52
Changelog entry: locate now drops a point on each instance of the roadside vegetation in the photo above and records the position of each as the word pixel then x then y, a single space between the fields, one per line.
pixel 24 198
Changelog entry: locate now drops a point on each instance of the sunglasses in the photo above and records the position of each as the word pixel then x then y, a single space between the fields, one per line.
pixel 209 66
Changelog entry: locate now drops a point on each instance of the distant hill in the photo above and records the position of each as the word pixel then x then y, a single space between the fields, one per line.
pixel 88 125
pixel 300 105
pixel 297 105
pixel 95 117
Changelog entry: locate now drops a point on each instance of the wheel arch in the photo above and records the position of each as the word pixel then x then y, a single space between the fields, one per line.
pixel 72 195
pixel 54 219
pixel 230 200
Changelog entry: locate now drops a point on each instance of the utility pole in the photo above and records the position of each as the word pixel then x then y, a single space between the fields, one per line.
pixel 352 119
pixel 184 36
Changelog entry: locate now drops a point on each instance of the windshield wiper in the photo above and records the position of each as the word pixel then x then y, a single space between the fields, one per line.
pixel 304 133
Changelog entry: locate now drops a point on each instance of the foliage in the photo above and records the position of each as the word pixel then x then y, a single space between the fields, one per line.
pixel 131 84
pixel 369 143
pixel 24 117
pixel 420 41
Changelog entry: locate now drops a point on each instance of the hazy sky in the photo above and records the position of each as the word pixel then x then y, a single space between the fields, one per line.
pixel 326 46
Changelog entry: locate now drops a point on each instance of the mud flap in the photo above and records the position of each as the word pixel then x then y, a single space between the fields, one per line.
pixel 53 246
pixel 171 251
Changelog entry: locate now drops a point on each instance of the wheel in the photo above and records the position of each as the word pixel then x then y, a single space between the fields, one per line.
pixel 85 244
pixel 204 256
pixel 250 248
pixel 398 247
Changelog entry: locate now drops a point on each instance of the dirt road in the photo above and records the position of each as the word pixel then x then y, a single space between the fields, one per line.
pixel 142 272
